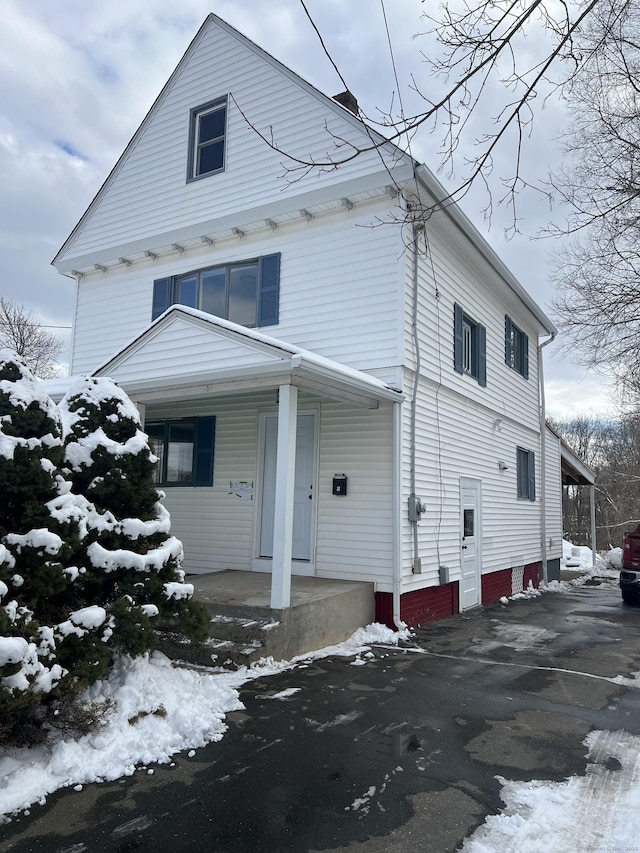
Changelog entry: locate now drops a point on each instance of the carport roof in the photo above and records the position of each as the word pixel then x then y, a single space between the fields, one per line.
pixel 574 470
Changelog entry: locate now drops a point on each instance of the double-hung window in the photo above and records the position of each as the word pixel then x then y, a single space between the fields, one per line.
pixel 207 137
pixel 526 474
pixel 469 346
pixel 184 448
pixel 246 292
pixel 516 348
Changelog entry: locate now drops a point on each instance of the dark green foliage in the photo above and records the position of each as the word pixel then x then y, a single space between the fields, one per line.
pixel 31 427
pixel 133 632
pixel 87 659
pixel 26 482
pixel 21 719
pixel 109 461
pixel 122 483
pixel 80 526
pixel 193 620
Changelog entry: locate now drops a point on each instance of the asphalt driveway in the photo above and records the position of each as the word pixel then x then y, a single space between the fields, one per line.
pixel 399 754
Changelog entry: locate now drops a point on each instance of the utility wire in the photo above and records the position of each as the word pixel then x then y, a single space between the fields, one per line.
pixel 324 47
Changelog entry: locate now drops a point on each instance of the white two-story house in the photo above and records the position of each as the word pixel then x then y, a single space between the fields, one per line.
pixel 333 386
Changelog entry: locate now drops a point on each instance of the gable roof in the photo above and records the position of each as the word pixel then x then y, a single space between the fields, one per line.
pixel 372 178
pixel 186 350
pixel 397 160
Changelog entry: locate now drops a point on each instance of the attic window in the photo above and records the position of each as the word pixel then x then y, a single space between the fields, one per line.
pixel 207 139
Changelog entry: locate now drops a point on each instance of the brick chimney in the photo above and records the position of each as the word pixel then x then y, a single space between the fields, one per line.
pixel 348 100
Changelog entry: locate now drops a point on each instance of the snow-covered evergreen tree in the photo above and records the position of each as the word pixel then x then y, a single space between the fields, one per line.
pixel 86 557
pixel 132 562
pixel 34 546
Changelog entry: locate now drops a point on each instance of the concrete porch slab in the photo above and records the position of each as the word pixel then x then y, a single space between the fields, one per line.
pixel 323 612
pixel 253 589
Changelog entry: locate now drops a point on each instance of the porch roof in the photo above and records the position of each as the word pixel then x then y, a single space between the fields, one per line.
pixel 186 352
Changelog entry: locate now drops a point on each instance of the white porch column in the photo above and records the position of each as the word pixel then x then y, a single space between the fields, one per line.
pixel 285 482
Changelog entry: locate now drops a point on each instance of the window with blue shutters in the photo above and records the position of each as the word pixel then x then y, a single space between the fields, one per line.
pixel 526 474
pixel 469 346
pixel 184 448
pixel 516 348
pixel 246 292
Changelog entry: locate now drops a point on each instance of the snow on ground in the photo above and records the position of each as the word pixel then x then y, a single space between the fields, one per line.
pixel 146 721
pixel 594 813
pixel 577 558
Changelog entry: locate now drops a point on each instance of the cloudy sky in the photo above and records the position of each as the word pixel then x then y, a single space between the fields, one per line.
pixel 77 78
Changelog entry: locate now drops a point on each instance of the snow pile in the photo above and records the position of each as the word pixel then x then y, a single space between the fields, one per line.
pixel 614 558
pixel 146 719
pixel 577 558
pixel 595 812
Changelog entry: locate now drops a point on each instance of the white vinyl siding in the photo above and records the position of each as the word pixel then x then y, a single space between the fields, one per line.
pixel 553 495
pixel 148 192
pixel 466 279
pixel 456 438
pixel 355 532
pixel 354 535
pixel 339 293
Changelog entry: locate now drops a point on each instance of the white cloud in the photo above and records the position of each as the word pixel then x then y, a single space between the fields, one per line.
pixel 79 78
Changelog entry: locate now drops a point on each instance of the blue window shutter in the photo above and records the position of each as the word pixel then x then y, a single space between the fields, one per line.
pixel 482 355
pixel 268 289
pixel 525 356
pixel 203 452
pixel 457 338
pixel 531 475
pixel 507 340
pixel 161 296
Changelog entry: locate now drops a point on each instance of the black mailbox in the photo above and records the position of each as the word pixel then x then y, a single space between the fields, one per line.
pixel 340 484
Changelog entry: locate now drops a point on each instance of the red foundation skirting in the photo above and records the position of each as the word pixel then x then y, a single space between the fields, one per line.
pixel 436 602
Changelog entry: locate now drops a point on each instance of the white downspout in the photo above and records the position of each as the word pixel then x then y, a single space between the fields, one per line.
pixel 416 563
pixel 396 511
pixel 543 458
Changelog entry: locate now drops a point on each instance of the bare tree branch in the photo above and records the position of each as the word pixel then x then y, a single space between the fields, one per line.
pixel 21 332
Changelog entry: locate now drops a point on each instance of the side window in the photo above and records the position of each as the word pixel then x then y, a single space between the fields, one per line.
pixel 516 348
pixel 246 293
pixel 469 346
pixel 184 449
pixel 526 474
pixel 207 139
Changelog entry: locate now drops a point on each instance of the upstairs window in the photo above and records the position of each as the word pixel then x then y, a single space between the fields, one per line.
pixel 184 449
pixel 526 474
pixel 207 139
pixel 469 346
pixel 246 293
pixel 516 348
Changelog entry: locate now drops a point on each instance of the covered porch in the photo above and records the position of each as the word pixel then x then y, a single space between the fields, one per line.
pixel 185 362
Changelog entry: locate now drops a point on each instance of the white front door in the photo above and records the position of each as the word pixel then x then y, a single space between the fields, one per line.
pixel 470 543
pixel 304 487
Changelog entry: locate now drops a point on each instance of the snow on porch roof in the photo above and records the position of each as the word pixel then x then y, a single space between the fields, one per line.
pixel 280 362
